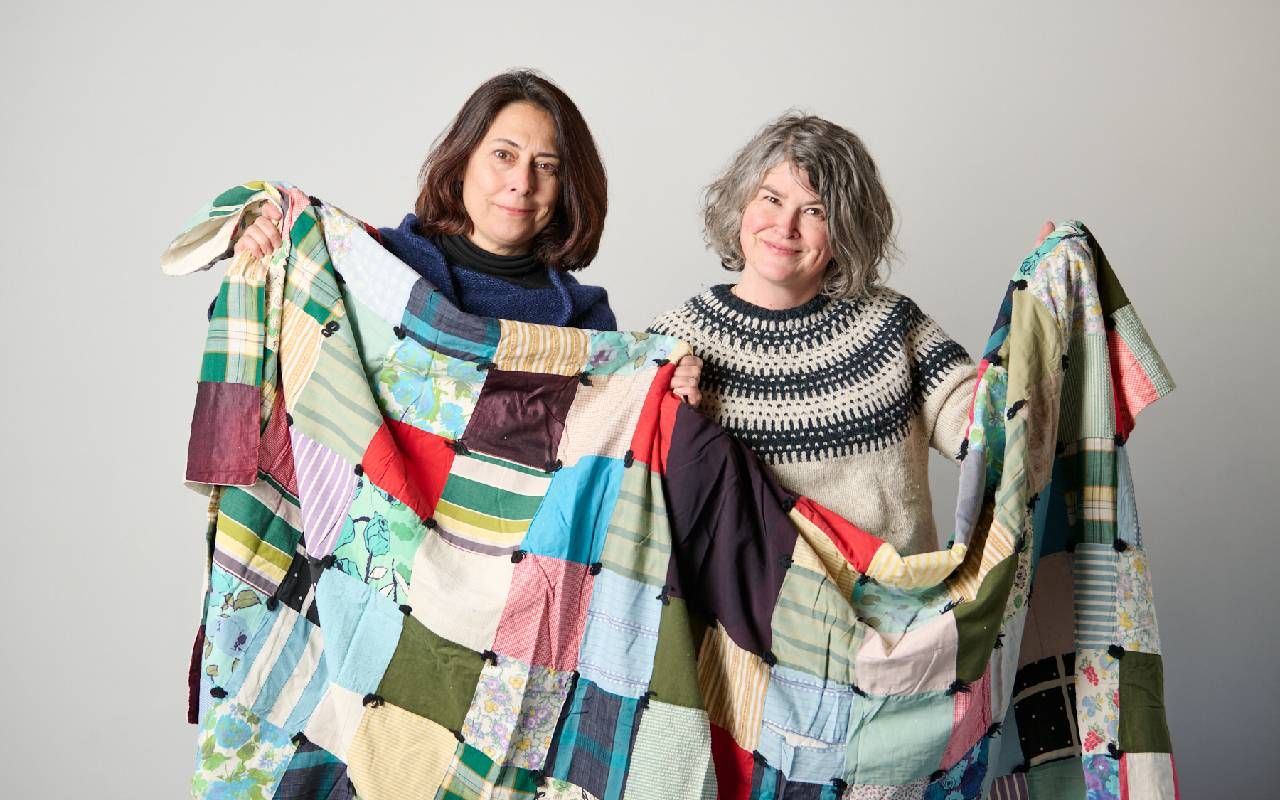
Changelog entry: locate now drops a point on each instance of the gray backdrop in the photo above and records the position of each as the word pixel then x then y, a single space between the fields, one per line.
pixel 1156 123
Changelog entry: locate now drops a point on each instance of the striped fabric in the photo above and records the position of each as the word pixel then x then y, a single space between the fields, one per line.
pixel 255 540
pixel 637 541
pixel 815 629
pixel 286 676
pixel 335 407
pixel 328 483
pixel 432 322
pixel 398 755
pixel 1095 595
pixel 297 365
pixel 541 348
pixel 594 741
pixel 733 684
pixel 488 503
pixel 621 636
pixel 1010 787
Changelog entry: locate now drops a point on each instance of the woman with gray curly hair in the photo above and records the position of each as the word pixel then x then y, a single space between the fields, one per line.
pixel 838 383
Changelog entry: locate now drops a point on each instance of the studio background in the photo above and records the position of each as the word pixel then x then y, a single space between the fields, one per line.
pixel 1155 123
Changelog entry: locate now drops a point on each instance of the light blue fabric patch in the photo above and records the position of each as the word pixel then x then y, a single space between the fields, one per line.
pixel 571 523
pixel 361 631
pixel 621 636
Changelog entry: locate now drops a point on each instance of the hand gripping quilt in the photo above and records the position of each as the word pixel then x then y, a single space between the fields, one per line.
pixel 459 557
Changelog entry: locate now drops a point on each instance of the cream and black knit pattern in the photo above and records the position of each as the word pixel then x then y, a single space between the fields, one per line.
pixel 826 379
pixel 842 398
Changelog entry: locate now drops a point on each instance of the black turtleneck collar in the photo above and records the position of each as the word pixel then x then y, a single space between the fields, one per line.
pixel 525 270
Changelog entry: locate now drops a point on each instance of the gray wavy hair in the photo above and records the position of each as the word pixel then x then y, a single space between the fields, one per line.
pixel 840 170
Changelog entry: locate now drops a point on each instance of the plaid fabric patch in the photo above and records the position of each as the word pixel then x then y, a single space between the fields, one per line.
pixel 594 740
pixel 1089 469
pixel 435 324
pixel 234 345
pixel 474 776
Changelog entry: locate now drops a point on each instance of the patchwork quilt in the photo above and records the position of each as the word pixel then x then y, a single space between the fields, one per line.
pixel 458 557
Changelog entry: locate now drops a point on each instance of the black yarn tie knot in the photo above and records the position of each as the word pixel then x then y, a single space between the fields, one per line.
pixel 217 692
pixel 662 362
pixel 958 687
pixel 399 331
pixel 1114 751
pixel 490 656
pixel 1120 545
pixel 964 450
pixel 584 379
pixel 858 690
pixel 595 568
pixel 432 524
pixel 1013 409
pixel 373 700
pixel 485 366
pixel 273 603
pixel 405 609
pixel 517 556
pixel 538 777
pixel 1115 651
pixel 937 775
pixel 1019 285
pixel 299 739
pixel 628 459
pixel 863 579
pixel 999 640
pixel 458 735
pixel 554 466
pixel 758 757
pixel 839 785
pixel 950 605
pixel 459 447
pixel 994 730
pixel 769 658
pixel 358 469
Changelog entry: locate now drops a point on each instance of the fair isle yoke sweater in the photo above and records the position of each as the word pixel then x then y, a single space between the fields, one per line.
pixel 836 394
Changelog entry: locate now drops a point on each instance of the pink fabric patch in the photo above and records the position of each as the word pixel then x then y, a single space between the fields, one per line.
pixel 546 612
pixel 971 721
pixel 1132 387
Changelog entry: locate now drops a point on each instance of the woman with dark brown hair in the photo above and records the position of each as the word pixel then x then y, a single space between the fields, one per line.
pixel 512 200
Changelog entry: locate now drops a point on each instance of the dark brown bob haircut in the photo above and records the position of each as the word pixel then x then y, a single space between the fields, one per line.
pixel 572 237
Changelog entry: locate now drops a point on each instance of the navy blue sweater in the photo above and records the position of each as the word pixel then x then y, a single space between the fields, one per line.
pixel 564 302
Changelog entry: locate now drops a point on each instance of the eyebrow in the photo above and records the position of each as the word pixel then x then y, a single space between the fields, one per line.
pixel 516 146
pixel 764 187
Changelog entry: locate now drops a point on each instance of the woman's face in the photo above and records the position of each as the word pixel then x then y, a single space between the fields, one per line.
pixel 784 232
pixel 512 181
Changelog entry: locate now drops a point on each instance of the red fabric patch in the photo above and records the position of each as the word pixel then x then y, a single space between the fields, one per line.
pixel 652 439
pixel 733 766
pixel 225 428
pixel 972 718
pixel 1131 387
pixel 973 401
pixel 856 545
pixel 546 612
pixel 275 453
pixel 409 463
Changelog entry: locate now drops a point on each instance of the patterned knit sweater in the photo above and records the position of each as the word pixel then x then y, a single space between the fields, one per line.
pixel 841 398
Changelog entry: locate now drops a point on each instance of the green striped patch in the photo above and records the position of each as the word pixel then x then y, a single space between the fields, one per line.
pixel 335 407
pixel 814 626
pixel 638 540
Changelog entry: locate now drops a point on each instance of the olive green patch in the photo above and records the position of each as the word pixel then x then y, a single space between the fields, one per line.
pixel 675 665
pixel 1143 726
pixel 431 676
pixel 978 621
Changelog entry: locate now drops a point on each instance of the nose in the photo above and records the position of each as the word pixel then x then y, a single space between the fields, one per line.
pixel 521 180
pixel 787 223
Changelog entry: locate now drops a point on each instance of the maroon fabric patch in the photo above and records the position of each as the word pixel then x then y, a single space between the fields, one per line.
pixel 193 678
pixel 275 457
pixel 520 416
pixel 731 539
pixel 225 431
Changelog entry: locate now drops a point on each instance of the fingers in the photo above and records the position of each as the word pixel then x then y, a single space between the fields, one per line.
pixel 263 237
pixel 1045 230
pixel 685 378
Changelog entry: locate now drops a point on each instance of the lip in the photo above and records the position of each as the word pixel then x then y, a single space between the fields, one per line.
pixel 782 251
pixel 515 212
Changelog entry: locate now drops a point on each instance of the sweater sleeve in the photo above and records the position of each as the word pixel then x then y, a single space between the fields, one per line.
pixel 944 376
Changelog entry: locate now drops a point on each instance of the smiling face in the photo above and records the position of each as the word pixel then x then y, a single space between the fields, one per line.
pixel 784 240
pixel 512 180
